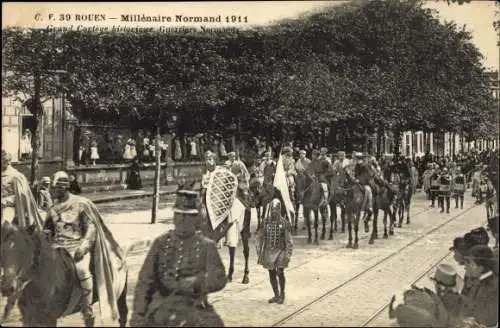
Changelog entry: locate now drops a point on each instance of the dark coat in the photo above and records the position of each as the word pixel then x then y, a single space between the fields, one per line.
pixel 482 301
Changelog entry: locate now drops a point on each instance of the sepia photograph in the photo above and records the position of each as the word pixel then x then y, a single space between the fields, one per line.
pixel 250 164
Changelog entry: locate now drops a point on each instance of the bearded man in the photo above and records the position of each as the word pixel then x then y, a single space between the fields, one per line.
pixel 18 203
pixel 74 224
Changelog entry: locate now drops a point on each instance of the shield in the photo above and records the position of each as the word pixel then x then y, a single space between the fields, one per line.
pixel 221 193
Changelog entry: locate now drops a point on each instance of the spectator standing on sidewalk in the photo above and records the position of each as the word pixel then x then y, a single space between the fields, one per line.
pixel 134 181
pixel 74 187
pixel 275 249
pixel 482 296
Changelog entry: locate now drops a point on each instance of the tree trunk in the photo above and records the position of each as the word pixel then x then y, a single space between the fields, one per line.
pixel 156 191
pixel 36 110
pixel 379 142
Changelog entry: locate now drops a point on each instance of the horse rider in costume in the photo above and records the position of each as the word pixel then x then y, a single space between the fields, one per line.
pixel 323 155
pixel 18 203
pixel 275 249
pixel 302 162
pixel 74 224
pixel 363 174
pixel 458 187
pixel 181 268
pixel 290 172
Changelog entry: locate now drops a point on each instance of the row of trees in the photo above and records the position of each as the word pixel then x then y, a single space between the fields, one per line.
pixel 375 65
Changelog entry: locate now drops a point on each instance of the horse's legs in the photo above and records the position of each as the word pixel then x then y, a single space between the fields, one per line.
pixel 408 203
pixel 316 224
pixel 374 236
pixel 342 218
pixel 232 251
pixel 392 222
pixel 349 227
pixel 323 221
pixel 258 208
pixel 401 213
pixel 356 229
pixel 385 222
pixel 307 217
pixel 368 216
pixel 333 214
pixel 245 234
pixel 122 305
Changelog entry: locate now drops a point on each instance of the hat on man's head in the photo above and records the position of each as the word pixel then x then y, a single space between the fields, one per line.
pixel 483 256
pixel 45 180
pixel 323 151
pixel 445 275
pixel 60 178
pixel 341 153
pixel 358 155
pixel 231 154
pixel 302 152
pixel 315 152
pixel 459 245
pixel 186 202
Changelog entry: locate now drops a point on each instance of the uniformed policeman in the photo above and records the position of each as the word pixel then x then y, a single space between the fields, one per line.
pixel 182 267
pixel 459 187
pixel 445 189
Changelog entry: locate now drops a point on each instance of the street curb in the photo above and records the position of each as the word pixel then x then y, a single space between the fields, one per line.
pixel 132 196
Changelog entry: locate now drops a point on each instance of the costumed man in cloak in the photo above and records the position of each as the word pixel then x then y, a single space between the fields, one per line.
pixel 239 169
pixel 75 225
pixel 275 249
pixel 363 174
pixel 182 267
pixel 18 203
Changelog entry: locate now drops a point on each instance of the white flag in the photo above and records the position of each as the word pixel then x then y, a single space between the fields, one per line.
pixel 281 183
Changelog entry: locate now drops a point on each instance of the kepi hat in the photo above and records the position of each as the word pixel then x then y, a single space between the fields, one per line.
pixel 60 178
pixel 186 202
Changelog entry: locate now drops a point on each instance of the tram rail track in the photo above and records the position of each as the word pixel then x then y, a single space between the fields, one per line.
pixel 292 268
pixel 372 267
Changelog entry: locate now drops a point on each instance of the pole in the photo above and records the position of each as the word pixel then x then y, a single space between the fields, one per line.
pixel 156 192
pixel 36 109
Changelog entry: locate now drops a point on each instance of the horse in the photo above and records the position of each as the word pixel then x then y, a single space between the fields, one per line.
pixel 337 198
pixel 315 201
pixel 300 181
pixel 404 202
pixel 43 278
pixel 217 234
pixel 261 195
pixel 382 201
pixel 354 203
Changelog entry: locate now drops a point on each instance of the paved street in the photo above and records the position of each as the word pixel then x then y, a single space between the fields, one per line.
pixel 327 285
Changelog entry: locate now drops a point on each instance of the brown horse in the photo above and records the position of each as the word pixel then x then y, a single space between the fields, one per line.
pixel 382 201
pixel 314 202
pixel 42 277
pixel 337 197
pixel 354 203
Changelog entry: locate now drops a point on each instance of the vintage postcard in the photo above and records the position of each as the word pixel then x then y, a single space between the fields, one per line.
pixel 255 163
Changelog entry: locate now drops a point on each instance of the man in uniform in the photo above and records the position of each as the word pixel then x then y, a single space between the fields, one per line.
pixel 323 155
pixel 268 167
pixel 458 186
pixel 18 203
pixel 44 197
pixel 75 225
pixel 302 162
pixel 445 189
pixel 341 163
pixel 182 267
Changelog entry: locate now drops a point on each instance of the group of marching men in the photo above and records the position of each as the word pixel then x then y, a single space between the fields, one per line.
pixel 442 183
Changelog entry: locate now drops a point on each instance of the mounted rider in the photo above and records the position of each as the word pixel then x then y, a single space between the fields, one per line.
pixel 341 162
pixel 18 203
pixel 290 172
pixel 268 167
pixel 75 225
pixel 458 187
pixel 363 174
pixel 302 162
